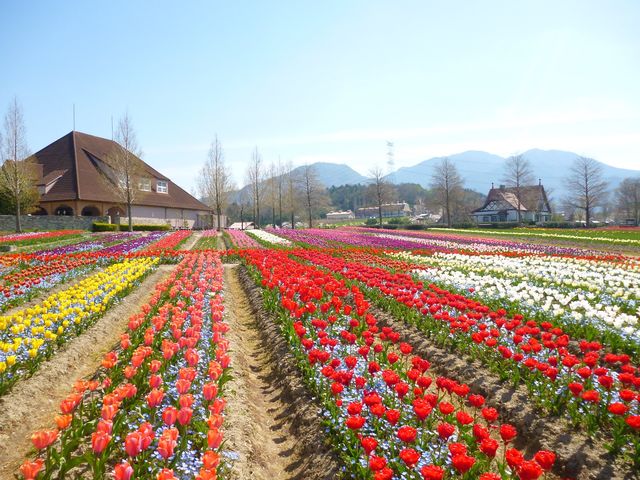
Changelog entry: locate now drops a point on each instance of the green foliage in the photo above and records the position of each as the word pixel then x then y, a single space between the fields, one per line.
pixel 104 227
pixel 371 221
pixel 150 228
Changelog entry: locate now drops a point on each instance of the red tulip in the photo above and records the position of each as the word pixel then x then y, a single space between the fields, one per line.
pixel 123 471
pixel 462 463
pixel 407 434
pixel 545 459
pixel 432 472
pixel 155 397
pixel 133 443
pixel 99 441
pixel 184 415
pixel 169 415
pixel 409 456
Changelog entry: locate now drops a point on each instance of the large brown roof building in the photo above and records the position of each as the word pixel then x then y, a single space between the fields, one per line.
pixel 74 176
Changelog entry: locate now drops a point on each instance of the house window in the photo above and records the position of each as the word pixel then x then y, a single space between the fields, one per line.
pixel 163 186
pixel 486 218
pixel 144 184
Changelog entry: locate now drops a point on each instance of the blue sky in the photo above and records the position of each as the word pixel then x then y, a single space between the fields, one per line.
pixel 331 80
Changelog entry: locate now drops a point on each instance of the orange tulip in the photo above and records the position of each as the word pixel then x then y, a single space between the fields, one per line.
pixel 30 469
pixel 210 460
pixel 214 438
pixel 44 438
pixel 63 421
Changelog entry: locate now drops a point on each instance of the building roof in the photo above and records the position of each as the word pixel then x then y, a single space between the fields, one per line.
pixel 532 197
pixel 75 163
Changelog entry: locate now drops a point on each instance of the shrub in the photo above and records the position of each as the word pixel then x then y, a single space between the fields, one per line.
pixel 150 228
pixel 371 221
pixel 104 227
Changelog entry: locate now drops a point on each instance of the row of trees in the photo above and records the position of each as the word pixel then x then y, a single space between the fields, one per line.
pixel 275 192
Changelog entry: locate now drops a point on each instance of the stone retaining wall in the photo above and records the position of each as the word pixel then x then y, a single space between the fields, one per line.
pixel 50 222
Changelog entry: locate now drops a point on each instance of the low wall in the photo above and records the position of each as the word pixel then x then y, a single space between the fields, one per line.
pixel 50 222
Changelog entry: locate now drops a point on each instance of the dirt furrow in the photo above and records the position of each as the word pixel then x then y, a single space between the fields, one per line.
pixel 33 402
pixel 272 426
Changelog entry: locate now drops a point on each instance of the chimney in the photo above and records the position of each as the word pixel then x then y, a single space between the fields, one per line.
pixel 539 182
pixel 491 185
pixel 501 187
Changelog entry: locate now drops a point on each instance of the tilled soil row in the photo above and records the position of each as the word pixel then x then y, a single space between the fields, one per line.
pixel 578 456
pixel 308 453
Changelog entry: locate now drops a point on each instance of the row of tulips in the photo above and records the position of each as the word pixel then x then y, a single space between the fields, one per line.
pixel 240 239
pixel 268 237
pixel 154 409
pixel 30 335
pixel 602 301
pixel 453 242
pixel 171 241
pixel 20 285
pixel 592 387
pixel 97 242
pixel 390 417
pixel 31 238
pixel 554 234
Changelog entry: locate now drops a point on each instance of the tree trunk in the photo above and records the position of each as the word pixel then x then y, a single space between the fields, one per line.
pixel 219 220
pixel 129 215
pixel 18 219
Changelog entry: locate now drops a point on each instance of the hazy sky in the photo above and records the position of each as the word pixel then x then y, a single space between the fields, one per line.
pixel 330 80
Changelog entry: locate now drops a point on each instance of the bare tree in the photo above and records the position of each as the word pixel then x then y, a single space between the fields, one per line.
pixel 126 172
pixel 628 198
pixel 517 174
pixel 17 170
pixel 382 190
pixel 315 196
pixel 291 191
pixel 280 187
pixel 447 184
pixel 587 189
pixel 272 190
pixel 255 178
pixel 215 181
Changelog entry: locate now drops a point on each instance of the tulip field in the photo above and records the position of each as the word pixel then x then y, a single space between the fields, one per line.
pixel 351 353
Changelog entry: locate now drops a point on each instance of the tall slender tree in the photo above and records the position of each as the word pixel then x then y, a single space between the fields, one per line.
pixel 314 193
pixel 628 198
pixel 215 182
pixel 447 185
pixel 255 178
pixel 17 169
pixel 381 189
pixel 126 171
pixel 291 186
pixel 518 174
pixel 586 186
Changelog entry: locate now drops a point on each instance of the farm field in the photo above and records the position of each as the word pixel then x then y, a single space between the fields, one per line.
pixel 339 353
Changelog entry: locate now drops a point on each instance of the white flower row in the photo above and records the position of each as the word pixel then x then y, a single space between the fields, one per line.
pixel 621 281
pixel 268 237
pixel 474 247
pixel 543 235
pixel 532 299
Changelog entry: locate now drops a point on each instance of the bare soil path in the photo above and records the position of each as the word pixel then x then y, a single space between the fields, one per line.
pixel 32 403
pixel 264 426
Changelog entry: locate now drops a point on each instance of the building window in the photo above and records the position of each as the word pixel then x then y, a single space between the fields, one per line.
pixel 144 184
pixel 163 186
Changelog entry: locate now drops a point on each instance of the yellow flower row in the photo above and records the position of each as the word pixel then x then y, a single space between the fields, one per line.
pixel 24 332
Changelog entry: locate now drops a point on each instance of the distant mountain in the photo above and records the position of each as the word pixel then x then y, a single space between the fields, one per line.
pixel 480 169
pixel 333 174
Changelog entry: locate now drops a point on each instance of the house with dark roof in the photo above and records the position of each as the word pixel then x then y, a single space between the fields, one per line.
pixel 502 205
pixel 73 179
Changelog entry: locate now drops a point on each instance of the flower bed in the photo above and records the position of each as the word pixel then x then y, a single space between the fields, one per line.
pixel 240 239
pixel 155 408
pixel 390 418
pixel 29 336
pixel 591 386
